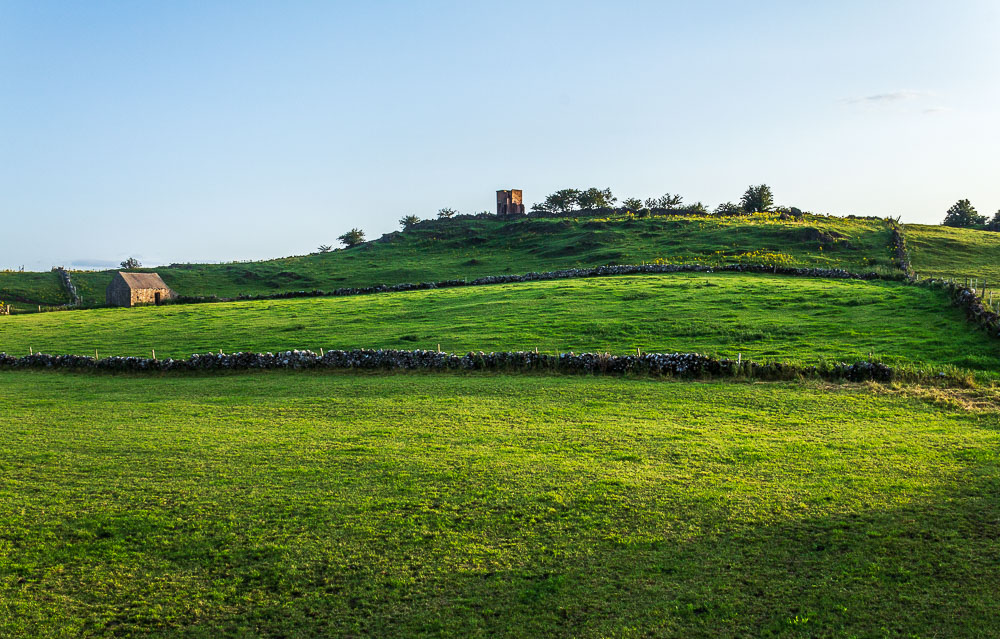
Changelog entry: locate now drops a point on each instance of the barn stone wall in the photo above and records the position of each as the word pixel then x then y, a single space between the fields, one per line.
pixel 148 295
pixel 120 294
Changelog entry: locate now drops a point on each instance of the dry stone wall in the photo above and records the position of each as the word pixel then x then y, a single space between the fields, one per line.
pixel 900 254
pixel 74 297
pixel 685 365
pixel 970 300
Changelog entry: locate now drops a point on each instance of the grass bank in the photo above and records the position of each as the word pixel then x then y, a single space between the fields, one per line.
pixel 490 506
pixel 945 252
pixel 762 317
pixel 35 288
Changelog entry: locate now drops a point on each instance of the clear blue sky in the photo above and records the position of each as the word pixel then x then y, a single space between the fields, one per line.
pixel 208 131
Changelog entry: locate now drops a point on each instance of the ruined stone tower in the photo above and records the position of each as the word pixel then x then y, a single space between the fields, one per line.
pixel 509 204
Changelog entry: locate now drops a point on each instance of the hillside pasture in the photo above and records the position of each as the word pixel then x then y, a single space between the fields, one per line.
pixel 283 504
pixel 954 253
pixel 454 249
pixel 762 317
pixel 32 287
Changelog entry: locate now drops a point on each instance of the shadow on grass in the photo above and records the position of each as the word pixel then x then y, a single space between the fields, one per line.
pixel 928 569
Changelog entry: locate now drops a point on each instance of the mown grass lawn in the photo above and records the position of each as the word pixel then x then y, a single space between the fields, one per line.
pixel 301 505
pixel 450 249
pixel 759 316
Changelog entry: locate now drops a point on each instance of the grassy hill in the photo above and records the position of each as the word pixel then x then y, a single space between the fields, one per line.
pixel 463 248
pixel 281 505
pixel 763 317
pixel 945 252
pixel 304 504
pixel 32 288
pixel 469 248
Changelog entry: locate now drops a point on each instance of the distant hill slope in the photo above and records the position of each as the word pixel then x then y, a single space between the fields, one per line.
pixel 946 252
pixel 31 287
pixel 468 248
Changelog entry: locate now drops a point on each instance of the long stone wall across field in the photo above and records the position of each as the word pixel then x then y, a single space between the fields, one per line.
pixel 684 365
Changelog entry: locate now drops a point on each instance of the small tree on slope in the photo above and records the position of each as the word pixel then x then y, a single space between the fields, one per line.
pixel 352 238
pixel 963 215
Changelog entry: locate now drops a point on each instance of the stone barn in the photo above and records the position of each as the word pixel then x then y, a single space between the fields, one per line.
pixel 510 203
pixel 133 289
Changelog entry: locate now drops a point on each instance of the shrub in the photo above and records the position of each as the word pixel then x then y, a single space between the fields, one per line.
pixel 446 213
pixel 666 201
pixel 728 208
pixel 352 238
pixel 408 221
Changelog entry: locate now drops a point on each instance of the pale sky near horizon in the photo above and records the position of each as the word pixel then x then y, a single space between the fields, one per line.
pixel 215 131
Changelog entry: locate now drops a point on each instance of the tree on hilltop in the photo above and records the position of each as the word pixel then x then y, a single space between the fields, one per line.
pixel 561 201
pixel 447 212
pixel 352 238
pixel 963 215
pixel 408 221
pixel 994 224
pixel 594 198
pixel 130 263
pixel 665 201
pixel 632 204
pixel 757 199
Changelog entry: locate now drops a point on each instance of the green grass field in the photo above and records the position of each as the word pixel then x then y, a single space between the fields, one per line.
pixel 945 252
pixel 474 248
pixel 314 504
pixel 763 317
pixel 302 505
pixel 40 288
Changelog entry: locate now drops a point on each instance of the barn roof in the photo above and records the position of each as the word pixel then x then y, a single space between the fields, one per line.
pixel 143 280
